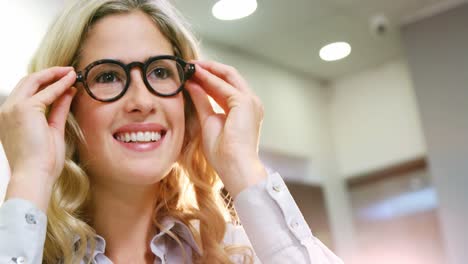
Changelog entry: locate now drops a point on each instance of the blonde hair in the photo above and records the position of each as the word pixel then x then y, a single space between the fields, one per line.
pixel 191 192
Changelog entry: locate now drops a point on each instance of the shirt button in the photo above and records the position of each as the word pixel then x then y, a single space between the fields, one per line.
pixel 165 257
pixel 19 260
pixel 294 224
pixel 277 188
pixel 30 219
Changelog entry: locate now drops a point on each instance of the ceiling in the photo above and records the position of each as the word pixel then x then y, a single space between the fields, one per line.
pixel 291 33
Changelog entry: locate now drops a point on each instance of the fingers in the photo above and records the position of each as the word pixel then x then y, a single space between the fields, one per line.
pixel 48 95
pixel 29 85
pixel 213 85
pixel 226 73
pixel 59 110
pixel 200 100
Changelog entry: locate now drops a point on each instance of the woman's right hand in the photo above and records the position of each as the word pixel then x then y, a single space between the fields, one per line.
pixel 34 143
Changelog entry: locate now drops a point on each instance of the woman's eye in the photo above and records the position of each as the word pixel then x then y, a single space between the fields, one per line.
pixel 160 73
pixel 107 77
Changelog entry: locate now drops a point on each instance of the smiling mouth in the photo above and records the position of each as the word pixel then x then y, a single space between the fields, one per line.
pixel 140 136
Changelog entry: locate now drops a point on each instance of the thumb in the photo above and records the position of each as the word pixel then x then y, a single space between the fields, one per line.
pixel 59 110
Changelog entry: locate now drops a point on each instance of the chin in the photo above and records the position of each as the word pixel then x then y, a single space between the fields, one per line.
pixel 143 175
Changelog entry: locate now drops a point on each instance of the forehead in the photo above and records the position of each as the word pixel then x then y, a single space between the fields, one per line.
pixel 127 37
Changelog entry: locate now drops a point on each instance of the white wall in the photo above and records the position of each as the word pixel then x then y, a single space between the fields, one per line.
pixel 375 121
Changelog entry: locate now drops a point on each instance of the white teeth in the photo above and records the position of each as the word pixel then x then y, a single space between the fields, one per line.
pixel 139 136
pixel 156 136
pixel 147 136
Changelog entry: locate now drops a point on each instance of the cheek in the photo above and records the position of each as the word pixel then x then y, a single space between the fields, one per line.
pixel 175 109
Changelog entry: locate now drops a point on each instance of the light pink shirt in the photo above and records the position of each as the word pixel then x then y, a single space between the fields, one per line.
pixel 272 225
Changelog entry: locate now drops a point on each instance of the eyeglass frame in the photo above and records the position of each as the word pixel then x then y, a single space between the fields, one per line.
pixel 188 68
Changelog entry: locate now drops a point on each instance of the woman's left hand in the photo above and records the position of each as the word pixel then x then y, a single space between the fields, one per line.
pixel 230 140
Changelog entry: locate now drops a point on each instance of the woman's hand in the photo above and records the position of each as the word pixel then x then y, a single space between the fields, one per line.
pixel 34 144
pixel 230 140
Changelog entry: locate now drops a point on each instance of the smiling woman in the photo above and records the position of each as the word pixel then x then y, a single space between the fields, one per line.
pixel 117 155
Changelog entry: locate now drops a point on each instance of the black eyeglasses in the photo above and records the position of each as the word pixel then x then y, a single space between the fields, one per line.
pixel 107 80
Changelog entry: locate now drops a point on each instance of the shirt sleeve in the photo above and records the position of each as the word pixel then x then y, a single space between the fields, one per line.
pixel 23 229
pixel 275 227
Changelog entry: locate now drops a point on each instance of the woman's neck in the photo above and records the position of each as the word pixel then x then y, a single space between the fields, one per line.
pixel 122 214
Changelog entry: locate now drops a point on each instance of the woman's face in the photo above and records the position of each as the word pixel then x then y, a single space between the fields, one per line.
pixel 128 37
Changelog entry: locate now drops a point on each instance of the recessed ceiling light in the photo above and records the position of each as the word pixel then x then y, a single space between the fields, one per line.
pixel 233 9
pixel 335 51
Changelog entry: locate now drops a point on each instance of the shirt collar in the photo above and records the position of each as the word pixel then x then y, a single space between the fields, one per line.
pixel 177 227
pixel 168 224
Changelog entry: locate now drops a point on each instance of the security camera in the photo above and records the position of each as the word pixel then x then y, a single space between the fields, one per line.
pixel 379 25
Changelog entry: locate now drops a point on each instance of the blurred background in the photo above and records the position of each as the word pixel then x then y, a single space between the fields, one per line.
pixel 373 146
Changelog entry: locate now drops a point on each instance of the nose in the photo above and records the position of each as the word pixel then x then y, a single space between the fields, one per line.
pixel 138 99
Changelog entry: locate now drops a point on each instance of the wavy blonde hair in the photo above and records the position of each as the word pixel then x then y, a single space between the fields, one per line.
pixel 192 192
